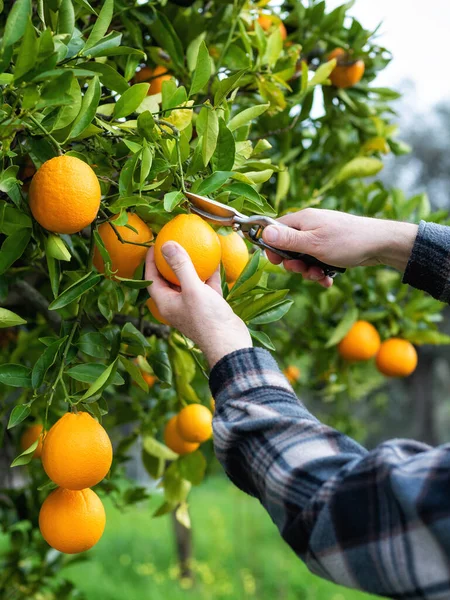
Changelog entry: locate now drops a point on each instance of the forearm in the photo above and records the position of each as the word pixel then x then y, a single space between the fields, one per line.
pixel 343 510
pixel 394 242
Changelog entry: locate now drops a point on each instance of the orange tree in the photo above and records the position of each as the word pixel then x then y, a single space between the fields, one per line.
pixel 230 99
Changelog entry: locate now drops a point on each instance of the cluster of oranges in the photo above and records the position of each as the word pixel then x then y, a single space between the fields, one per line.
pixel 186 430
pixel 76 454
pixel 394 357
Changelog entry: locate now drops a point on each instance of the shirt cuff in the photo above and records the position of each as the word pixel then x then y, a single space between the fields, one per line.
pixel 245 370
pixel 428 267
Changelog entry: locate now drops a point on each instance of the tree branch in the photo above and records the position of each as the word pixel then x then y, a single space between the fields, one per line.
pixel 38 301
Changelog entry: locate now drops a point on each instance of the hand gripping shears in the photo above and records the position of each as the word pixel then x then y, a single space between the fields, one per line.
pixel 252 228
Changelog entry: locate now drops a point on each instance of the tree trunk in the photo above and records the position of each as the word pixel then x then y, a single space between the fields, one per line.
pixel 423 401
pixel 183 540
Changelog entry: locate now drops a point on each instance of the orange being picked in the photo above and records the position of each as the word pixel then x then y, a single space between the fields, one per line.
pixel 361 342
pixel 292 373
pixel 72 521
pixel 396 358
pixel 30 435
pixel 174 441
pixel 234 255
pixel 125 258
pixel 267 22
pixel 198 239
pixel 64 195
pixel 151 305
pixel 77 451
pixel 347 72
pixel 194 423
pixel 155 77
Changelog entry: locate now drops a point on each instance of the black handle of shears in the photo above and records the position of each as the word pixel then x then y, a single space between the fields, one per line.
pixel 310 261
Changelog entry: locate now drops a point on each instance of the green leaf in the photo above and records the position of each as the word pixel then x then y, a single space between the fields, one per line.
pixel 13 248
pixel 130 100
pixel 162 31
pixel 16 22
pixel 192 51
pixel 146 164
pixel 9 319
pixel 15 375
pixel 101 25
pixel 202 71
pixel 89 106
pixel 85 4
pixel 101 50
pixel 134 372
pixel 226 86
pixel 248 278
pixel 153 465
pixel 94 344
pixel 103 380
pixel 224 155
pixel 54 272
pixel 56 248
pixel 427 336
pixel 18 414
pixel 134 284
pixel 274 313
pixel 210 135
pixel 172 200
pixel 131 335
pixel 107 46
pixel 246 116
pixel 245 190
pixel 161 366
pixel 44 362
pixel 26 58
pixel 108 76
pixel 362 166
pixel 273 49
pixel 322 73
pixel 263 339
pixel 192 467
pixel 76 290
pixel 155 448
pixel 260 305
pixel 343 327
pixel 89 373
pixel 66 18
pixel 213 182
pixel 176 489
pixel 26 456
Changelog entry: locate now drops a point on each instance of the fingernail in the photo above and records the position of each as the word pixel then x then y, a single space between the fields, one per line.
pixel 169 249
pixel 271 234
pixel 315 276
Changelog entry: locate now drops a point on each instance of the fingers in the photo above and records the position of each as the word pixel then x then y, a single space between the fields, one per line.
pixel 181 264
pixel 309 273
pixel 275 259
pixel 159 284
pixel 287 238
pixel 214 281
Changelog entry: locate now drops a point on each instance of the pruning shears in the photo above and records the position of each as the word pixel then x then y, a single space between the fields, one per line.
pixel 252 228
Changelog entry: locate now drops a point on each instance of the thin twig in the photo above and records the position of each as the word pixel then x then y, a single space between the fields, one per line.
pixel 56 144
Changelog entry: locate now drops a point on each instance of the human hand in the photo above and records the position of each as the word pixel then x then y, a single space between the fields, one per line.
pixel 196 309
pixel 340 239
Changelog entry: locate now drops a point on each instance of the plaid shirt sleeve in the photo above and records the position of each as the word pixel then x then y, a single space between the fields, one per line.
pixel 378 521
pixel 428 267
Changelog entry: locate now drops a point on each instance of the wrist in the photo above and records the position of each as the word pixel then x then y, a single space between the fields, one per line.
pixel 395 243
pixel 223 342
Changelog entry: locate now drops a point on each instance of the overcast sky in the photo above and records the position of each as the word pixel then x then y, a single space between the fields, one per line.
pixel 416 32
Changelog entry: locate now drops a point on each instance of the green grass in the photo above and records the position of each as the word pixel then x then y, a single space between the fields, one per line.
pixel 238 554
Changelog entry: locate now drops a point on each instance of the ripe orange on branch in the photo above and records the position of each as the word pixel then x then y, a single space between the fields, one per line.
pixel 361 342
pixel 234 255
pixel 396 358
pixel 30 435
pixel 125 258
pixel 72 521
pixel 77 452
pixel 174 441
pixel 292 373
pixel 194 423
pixel 268 21
pixel 64 195
pixel 155 77
pixel 347 72
pixel 198 239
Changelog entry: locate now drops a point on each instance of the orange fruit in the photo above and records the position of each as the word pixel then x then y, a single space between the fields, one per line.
pixel 396 358
pixel 64 195
pixel 151 305
pixel 362 342
pixel 72 521
pixel 198 239
pixel 267 22
pixel 234 255
pixel 347 72
pixel 155 77
pixel 194 423
pixel 125 258
pixel 174 441
pixel 292 373
pixel 77 451
pixel 29 436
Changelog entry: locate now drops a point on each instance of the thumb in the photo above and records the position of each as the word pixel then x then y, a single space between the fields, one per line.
pixel 286 238
pixel 180 263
